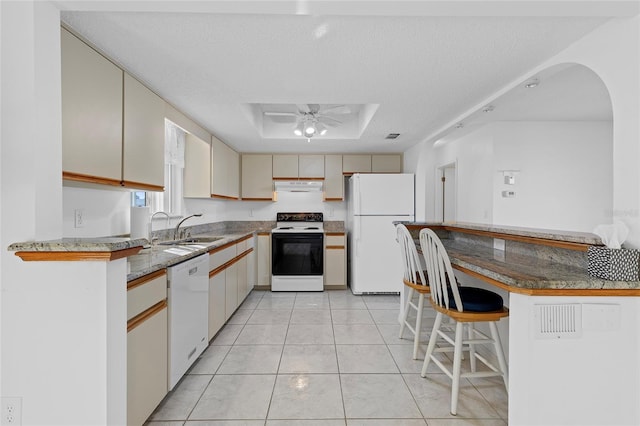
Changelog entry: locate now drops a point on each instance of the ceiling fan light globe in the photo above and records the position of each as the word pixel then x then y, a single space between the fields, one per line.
pixel 310 131
pixel 323 132
pixel 297 132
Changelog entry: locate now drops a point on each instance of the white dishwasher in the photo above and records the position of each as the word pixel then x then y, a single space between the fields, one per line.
pixel 188 314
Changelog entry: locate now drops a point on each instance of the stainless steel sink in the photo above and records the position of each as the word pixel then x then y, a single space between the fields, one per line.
pixel 190 240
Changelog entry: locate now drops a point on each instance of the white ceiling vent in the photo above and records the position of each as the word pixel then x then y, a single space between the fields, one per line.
pixel 392 136
pixel 558 321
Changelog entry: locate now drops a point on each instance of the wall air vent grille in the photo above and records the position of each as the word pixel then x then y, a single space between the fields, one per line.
pixel 392 136
pixel 558 321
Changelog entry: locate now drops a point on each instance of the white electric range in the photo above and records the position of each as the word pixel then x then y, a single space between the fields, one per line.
pixel 297 252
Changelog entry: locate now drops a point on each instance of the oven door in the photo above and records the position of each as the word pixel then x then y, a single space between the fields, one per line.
pixel 297 254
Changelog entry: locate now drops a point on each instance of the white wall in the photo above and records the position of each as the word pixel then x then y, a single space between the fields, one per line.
pixel 473 155
pixel 595 380
pixel 265 210
pixel 566 174
pixel 105 212
pixel 416 160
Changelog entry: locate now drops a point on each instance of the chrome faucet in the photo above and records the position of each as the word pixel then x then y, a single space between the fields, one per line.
pixel 176 233
pixel 151 224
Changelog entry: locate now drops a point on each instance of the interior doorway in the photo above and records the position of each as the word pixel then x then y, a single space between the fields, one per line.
pixel 445 200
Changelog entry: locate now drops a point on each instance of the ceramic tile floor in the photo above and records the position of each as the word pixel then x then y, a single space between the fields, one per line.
pixel 327 358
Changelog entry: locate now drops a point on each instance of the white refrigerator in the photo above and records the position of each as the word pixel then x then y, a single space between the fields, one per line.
pixel 374 202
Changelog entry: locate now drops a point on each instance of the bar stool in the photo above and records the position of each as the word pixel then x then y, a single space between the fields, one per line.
pixel 464 305
pixel 416 282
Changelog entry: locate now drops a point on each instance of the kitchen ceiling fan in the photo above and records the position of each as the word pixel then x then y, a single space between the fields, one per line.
pixel 310 119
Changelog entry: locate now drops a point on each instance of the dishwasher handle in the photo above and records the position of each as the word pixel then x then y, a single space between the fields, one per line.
pixel 193 270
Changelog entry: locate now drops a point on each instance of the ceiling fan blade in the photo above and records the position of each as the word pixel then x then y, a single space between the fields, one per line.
pixel 282 117
pixel 327 118
pixel 330 124
pixel 281 114
pixel 336 109
pixel 303 108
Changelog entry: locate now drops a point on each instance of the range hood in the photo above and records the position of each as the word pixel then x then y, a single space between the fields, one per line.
pixel 297 185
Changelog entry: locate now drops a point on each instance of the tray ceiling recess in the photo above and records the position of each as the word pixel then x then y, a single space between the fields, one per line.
pixel 311 120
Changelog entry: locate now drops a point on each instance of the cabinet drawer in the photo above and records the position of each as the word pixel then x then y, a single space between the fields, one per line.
pixel 241 247
pixel 334 240
pixel 220 257
pixel 145 292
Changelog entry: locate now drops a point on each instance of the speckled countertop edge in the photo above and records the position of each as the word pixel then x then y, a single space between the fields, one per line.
pixel 105 244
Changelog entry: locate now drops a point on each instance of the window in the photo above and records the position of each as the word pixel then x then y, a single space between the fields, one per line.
pixel 169 201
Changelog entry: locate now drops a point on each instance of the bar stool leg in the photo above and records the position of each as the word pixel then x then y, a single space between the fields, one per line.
pixel 405 314
pixel 416 337
pixel 457 360
pixel 432 344
pixel 472 349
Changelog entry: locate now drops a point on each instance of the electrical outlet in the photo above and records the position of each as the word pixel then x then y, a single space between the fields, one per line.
pixel 11 411
pixel 78 220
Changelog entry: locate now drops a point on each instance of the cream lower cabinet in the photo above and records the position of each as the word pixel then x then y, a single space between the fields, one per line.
pixel 335 261
pixel 229 273
pixel 263 257
pixel 147 346
pixel 231 294
pixel 242 276
pixel 217 300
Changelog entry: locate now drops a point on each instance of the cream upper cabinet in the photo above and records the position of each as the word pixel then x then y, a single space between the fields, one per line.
pixel 356 163
pixel 225 171
pixel 143 137
pixel 311 166
pixel 197 159
pixel 91 114
pixel 333 178
pixel 386 163
pixel 257 172
pixel 285 166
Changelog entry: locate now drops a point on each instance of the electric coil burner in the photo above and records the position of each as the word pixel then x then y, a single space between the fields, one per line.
pixel 297 249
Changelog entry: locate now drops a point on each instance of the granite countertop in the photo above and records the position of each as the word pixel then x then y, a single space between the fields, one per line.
pixel 104 244
pixel 158 257
pixel 153 258
pixel 549 234
pixel 526 272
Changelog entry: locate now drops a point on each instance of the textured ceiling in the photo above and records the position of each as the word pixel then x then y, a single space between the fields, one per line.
pixel 422 70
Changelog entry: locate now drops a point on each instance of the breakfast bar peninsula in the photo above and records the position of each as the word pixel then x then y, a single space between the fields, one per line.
pixel 572 339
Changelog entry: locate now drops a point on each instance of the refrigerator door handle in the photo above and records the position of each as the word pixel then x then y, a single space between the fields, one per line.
pixel 357 195
pixel 358 227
